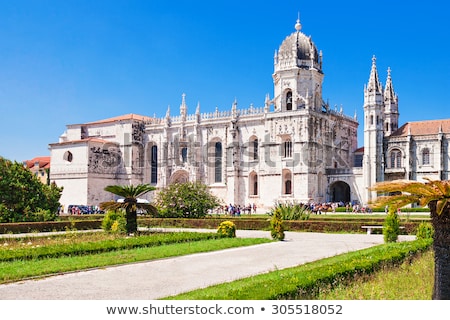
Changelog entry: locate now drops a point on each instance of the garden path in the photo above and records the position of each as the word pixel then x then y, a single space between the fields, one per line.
pixel 157 279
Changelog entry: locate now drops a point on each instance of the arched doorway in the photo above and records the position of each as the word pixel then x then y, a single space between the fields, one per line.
pixel 340 191
pixel 179 176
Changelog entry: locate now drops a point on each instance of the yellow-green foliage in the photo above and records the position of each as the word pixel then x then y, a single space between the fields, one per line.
pixel 276 225
pixel 391 228
pixel 227 229
pixel 291 211
pixel 404 192
pixel 425 231
pixel 114 221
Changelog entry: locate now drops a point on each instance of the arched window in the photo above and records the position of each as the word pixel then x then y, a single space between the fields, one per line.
pixel 253 184
pixel 68 156
pixel 289 100
pixel 154 165
pixel 396 159
pixel 218 162
pixel 287 148
pixel 184 154
pixel 253 154
pixel 287 182
pixel 426 156
pixel 288 186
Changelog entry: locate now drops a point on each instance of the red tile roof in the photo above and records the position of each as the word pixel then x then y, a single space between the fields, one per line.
pixel 92 139
pixel 130 116
pixel 421 128
pixel 44 162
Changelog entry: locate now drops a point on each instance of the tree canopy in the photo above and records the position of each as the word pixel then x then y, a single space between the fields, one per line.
pixel 23 197
pixel 186 200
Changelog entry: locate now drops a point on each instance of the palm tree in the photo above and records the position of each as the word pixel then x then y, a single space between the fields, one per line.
pixel 435 194
pixel 130 204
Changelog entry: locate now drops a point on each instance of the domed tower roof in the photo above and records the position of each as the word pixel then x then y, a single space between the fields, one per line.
pixel 299 50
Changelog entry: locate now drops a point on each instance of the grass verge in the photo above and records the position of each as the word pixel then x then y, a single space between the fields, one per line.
pixel 412 280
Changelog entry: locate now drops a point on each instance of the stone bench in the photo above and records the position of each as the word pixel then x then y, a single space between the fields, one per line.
pixel 370 228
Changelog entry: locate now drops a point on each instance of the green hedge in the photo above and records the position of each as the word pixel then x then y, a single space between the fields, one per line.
pixel 48 226
pixel 327 224
pixel 83 248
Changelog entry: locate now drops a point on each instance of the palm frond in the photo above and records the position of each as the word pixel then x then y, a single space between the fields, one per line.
pixel 129 191
pixel 110 205
pixel 412 187
pixel 406 192
pixel 149 208
pixel 398 200
pixel 441 204
pixel 442 185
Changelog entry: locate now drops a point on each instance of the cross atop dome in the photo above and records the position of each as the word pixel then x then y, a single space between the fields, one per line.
pixel 298 25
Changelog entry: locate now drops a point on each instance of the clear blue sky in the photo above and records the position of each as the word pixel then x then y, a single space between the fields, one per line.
pixel 67 62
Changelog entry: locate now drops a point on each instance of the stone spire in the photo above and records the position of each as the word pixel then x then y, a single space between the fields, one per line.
pixel 197 110
pixel 389 89
pixel 374 82
pixel 391 113
pixel 234 109
pixel 267 103
pixel 167 118
pixel 197 113
pixel 183 107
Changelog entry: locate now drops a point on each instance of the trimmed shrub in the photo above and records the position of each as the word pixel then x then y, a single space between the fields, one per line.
pixel 227 229
pixel 425 231
pixel 276 225
pixel 114 222
pixel 391 228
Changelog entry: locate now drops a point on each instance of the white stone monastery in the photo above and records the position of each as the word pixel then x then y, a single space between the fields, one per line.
pixel 293 148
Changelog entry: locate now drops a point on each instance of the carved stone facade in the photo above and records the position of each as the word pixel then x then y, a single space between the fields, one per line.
pixel 292 148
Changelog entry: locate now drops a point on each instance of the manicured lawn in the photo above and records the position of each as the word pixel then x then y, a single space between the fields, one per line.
pixel 41 256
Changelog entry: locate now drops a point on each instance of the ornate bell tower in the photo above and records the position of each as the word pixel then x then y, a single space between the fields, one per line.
pixel 297 73
pixel 390 107
pixel 374 118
